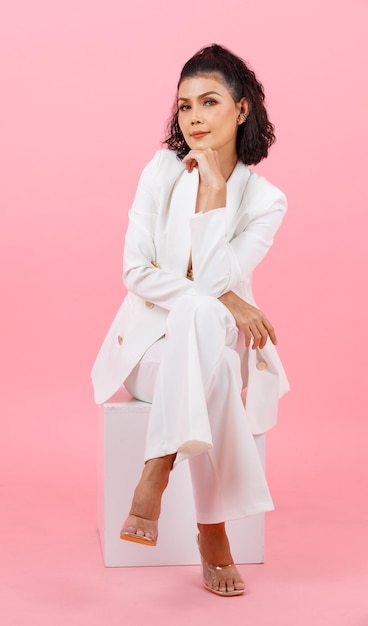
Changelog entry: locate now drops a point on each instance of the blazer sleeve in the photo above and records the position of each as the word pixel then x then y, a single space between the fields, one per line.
pixel 220 264
pixel 140 275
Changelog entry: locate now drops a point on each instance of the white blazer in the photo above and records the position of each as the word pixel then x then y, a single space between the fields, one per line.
pixel 226 245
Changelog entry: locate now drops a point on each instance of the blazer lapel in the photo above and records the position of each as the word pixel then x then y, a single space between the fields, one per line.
pixel 235 191
pixel 182 207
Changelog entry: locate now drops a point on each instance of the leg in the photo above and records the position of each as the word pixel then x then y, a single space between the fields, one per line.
pixel 197 407
pixel 223 578
pixel 198 328
pixel 178 421
pixel 228 478
pixel 197 411
pixel 141 523
pixel 219 478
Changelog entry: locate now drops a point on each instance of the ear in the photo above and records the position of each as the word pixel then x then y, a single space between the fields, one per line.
pixel 243 108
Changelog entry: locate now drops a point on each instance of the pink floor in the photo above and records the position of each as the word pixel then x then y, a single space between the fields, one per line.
pixel 316 569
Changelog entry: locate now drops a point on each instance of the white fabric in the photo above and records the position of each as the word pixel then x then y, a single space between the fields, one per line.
pixel 197 409
pixel 193 379
pixel 226 245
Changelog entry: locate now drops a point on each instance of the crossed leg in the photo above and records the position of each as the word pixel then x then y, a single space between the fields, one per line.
pixel 141 526
pixel 198 363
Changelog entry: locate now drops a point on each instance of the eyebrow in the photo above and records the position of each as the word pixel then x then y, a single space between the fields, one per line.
pixel 203 95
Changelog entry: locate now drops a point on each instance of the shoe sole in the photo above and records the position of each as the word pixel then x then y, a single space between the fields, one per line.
pixel 137 539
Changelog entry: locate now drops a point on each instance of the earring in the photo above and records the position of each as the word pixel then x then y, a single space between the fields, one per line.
pixel 242 118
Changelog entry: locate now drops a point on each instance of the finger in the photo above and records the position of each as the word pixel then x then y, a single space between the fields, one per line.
pixel 190 165
pixel 188 157
pixel 201 159
pixel 193 155
pixel 264 335
pixel 270 330
pixel 248 336
pixel 263 341
pixel 190 161
pixel 257 336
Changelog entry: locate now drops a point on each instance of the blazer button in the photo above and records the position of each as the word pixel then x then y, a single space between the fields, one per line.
pixel 120 340
pixel 261 365
pixel 149 304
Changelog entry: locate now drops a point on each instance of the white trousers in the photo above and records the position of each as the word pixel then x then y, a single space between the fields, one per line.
pixel 192 377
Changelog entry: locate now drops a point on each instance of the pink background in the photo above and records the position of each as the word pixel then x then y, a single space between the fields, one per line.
pixel 86 90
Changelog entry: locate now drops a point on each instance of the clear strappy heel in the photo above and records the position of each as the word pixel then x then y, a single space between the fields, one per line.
pixel 214 575
pixel 135 529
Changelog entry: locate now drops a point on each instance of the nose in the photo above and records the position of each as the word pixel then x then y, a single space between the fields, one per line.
pixel 196 118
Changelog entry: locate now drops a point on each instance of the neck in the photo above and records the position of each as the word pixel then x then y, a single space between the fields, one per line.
pixel 227 163
pixel 227 171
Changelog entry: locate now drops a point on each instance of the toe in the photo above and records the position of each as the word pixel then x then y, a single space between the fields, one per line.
pixel 142 528
pixel 239 585
pixel 129 529
pixel 236 582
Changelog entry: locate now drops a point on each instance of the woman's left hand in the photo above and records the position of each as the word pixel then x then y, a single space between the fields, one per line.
pixel 251 321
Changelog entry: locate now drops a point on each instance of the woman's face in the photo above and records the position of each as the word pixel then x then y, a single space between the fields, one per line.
pixel 208 116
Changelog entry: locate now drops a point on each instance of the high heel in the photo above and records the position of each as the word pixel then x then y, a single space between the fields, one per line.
pixel 213 574
pixel 140 530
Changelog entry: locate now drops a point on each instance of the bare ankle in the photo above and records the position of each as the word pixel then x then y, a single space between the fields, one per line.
pixel 162 462
pixel 147 495
pixel 214 544
pixel 158 470
pixel 212 529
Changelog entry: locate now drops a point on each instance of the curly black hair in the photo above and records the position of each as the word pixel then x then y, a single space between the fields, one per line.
pixel 256 135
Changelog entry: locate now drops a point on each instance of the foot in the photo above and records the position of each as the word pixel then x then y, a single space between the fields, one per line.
pixel 220 575
pixel 141 524
pixel 140 530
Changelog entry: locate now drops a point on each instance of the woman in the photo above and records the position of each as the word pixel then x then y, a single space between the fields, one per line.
pixel 188 337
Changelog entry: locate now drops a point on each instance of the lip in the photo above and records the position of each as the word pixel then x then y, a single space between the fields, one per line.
pixel 199 135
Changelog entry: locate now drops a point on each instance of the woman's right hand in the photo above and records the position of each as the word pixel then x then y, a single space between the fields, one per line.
pixel 212 183
pixel 251 321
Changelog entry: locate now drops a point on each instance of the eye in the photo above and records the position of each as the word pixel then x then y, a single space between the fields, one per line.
pixel 184 107
pixel 209 102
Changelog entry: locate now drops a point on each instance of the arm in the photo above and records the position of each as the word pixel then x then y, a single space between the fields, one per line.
pixel 250 320
pixel 220 266
pixel 140 276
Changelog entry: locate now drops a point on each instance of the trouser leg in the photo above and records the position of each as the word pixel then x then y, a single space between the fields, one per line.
pixel 197 411
pixel 198 329
pixel 228 481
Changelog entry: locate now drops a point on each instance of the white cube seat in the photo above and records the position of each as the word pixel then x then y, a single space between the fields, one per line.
pixel 122 429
